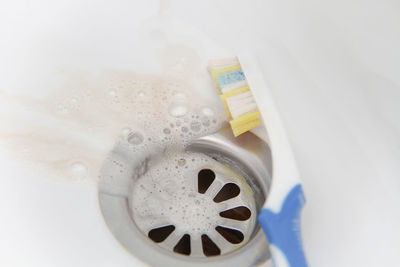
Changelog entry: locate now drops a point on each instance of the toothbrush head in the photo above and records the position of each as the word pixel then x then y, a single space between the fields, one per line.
pixel 235 94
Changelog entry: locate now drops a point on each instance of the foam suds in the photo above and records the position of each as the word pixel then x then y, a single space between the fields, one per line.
pixel 143 82
pixel 70 133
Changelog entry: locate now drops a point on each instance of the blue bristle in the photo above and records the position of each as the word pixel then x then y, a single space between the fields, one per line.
pixel 230 77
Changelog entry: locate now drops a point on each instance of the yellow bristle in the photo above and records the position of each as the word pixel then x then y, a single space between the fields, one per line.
pixel 245 119
pixel 235 92
pixel 245 127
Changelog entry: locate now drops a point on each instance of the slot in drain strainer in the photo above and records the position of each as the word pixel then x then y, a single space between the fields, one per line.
pixel 208 217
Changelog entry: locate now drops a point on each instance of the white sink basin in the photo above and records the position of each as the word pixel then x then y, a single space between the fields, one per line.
pixel 333 70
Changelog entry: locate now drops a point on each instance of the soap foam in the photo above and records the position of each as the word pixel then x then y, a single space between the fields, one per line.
pixel 69 133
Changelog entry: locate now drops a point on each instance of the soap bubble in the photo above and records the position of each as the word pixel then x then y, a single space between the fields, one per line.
pixel 181 162
pixel 205 122
pixel 178 110
pixel 135 138
pixel 125 131
pixel 78 169
pixel 179 97
pixel 178 107
pixel 195 126
pixel 207 112
pixel 62 109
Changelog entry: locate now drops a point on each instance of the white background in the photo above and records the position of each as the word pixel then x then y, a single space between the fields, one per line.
pixel 334 71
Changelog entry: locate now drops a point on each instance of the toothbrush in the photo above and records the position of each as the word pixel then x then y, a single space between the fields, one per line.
pixel 250 108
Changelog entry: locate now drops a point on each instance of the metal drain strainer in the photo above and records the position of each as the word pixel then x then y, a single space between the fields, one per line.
pixel 208 214
pixel 198 212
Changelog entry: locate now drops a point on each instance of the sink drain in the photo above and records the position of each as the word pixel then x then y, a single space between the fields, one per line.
pixel 208 214
pixel 198 206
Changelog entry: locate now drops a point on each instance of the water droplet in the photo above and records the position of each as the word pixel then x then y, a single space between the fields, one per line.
pixel 135 138
pixel 184 129
pixel 166 131
pixel 141 93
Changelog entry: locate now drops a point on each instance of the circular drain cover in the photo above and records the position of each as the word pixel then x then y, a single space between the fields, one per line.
pixel 203 210
pixel 195 205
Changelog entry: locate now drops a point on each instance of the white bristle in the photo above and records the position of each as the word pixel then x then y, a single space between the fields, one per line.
pixel 222 63
pixel 243 110
pixel 241 104
pixel 234 104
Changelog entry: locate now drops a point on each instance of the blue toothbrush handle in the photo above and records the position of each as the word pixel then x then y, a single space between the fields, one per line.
pixel 283 230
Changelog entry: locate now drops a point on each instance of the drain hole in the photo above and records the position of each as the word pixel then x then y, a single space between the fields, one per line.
pixel 160 234
pixel 228 191
pixel 209 247
pixel 183 246
pixel 206 177
pixel 239 213
pixel 233 236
